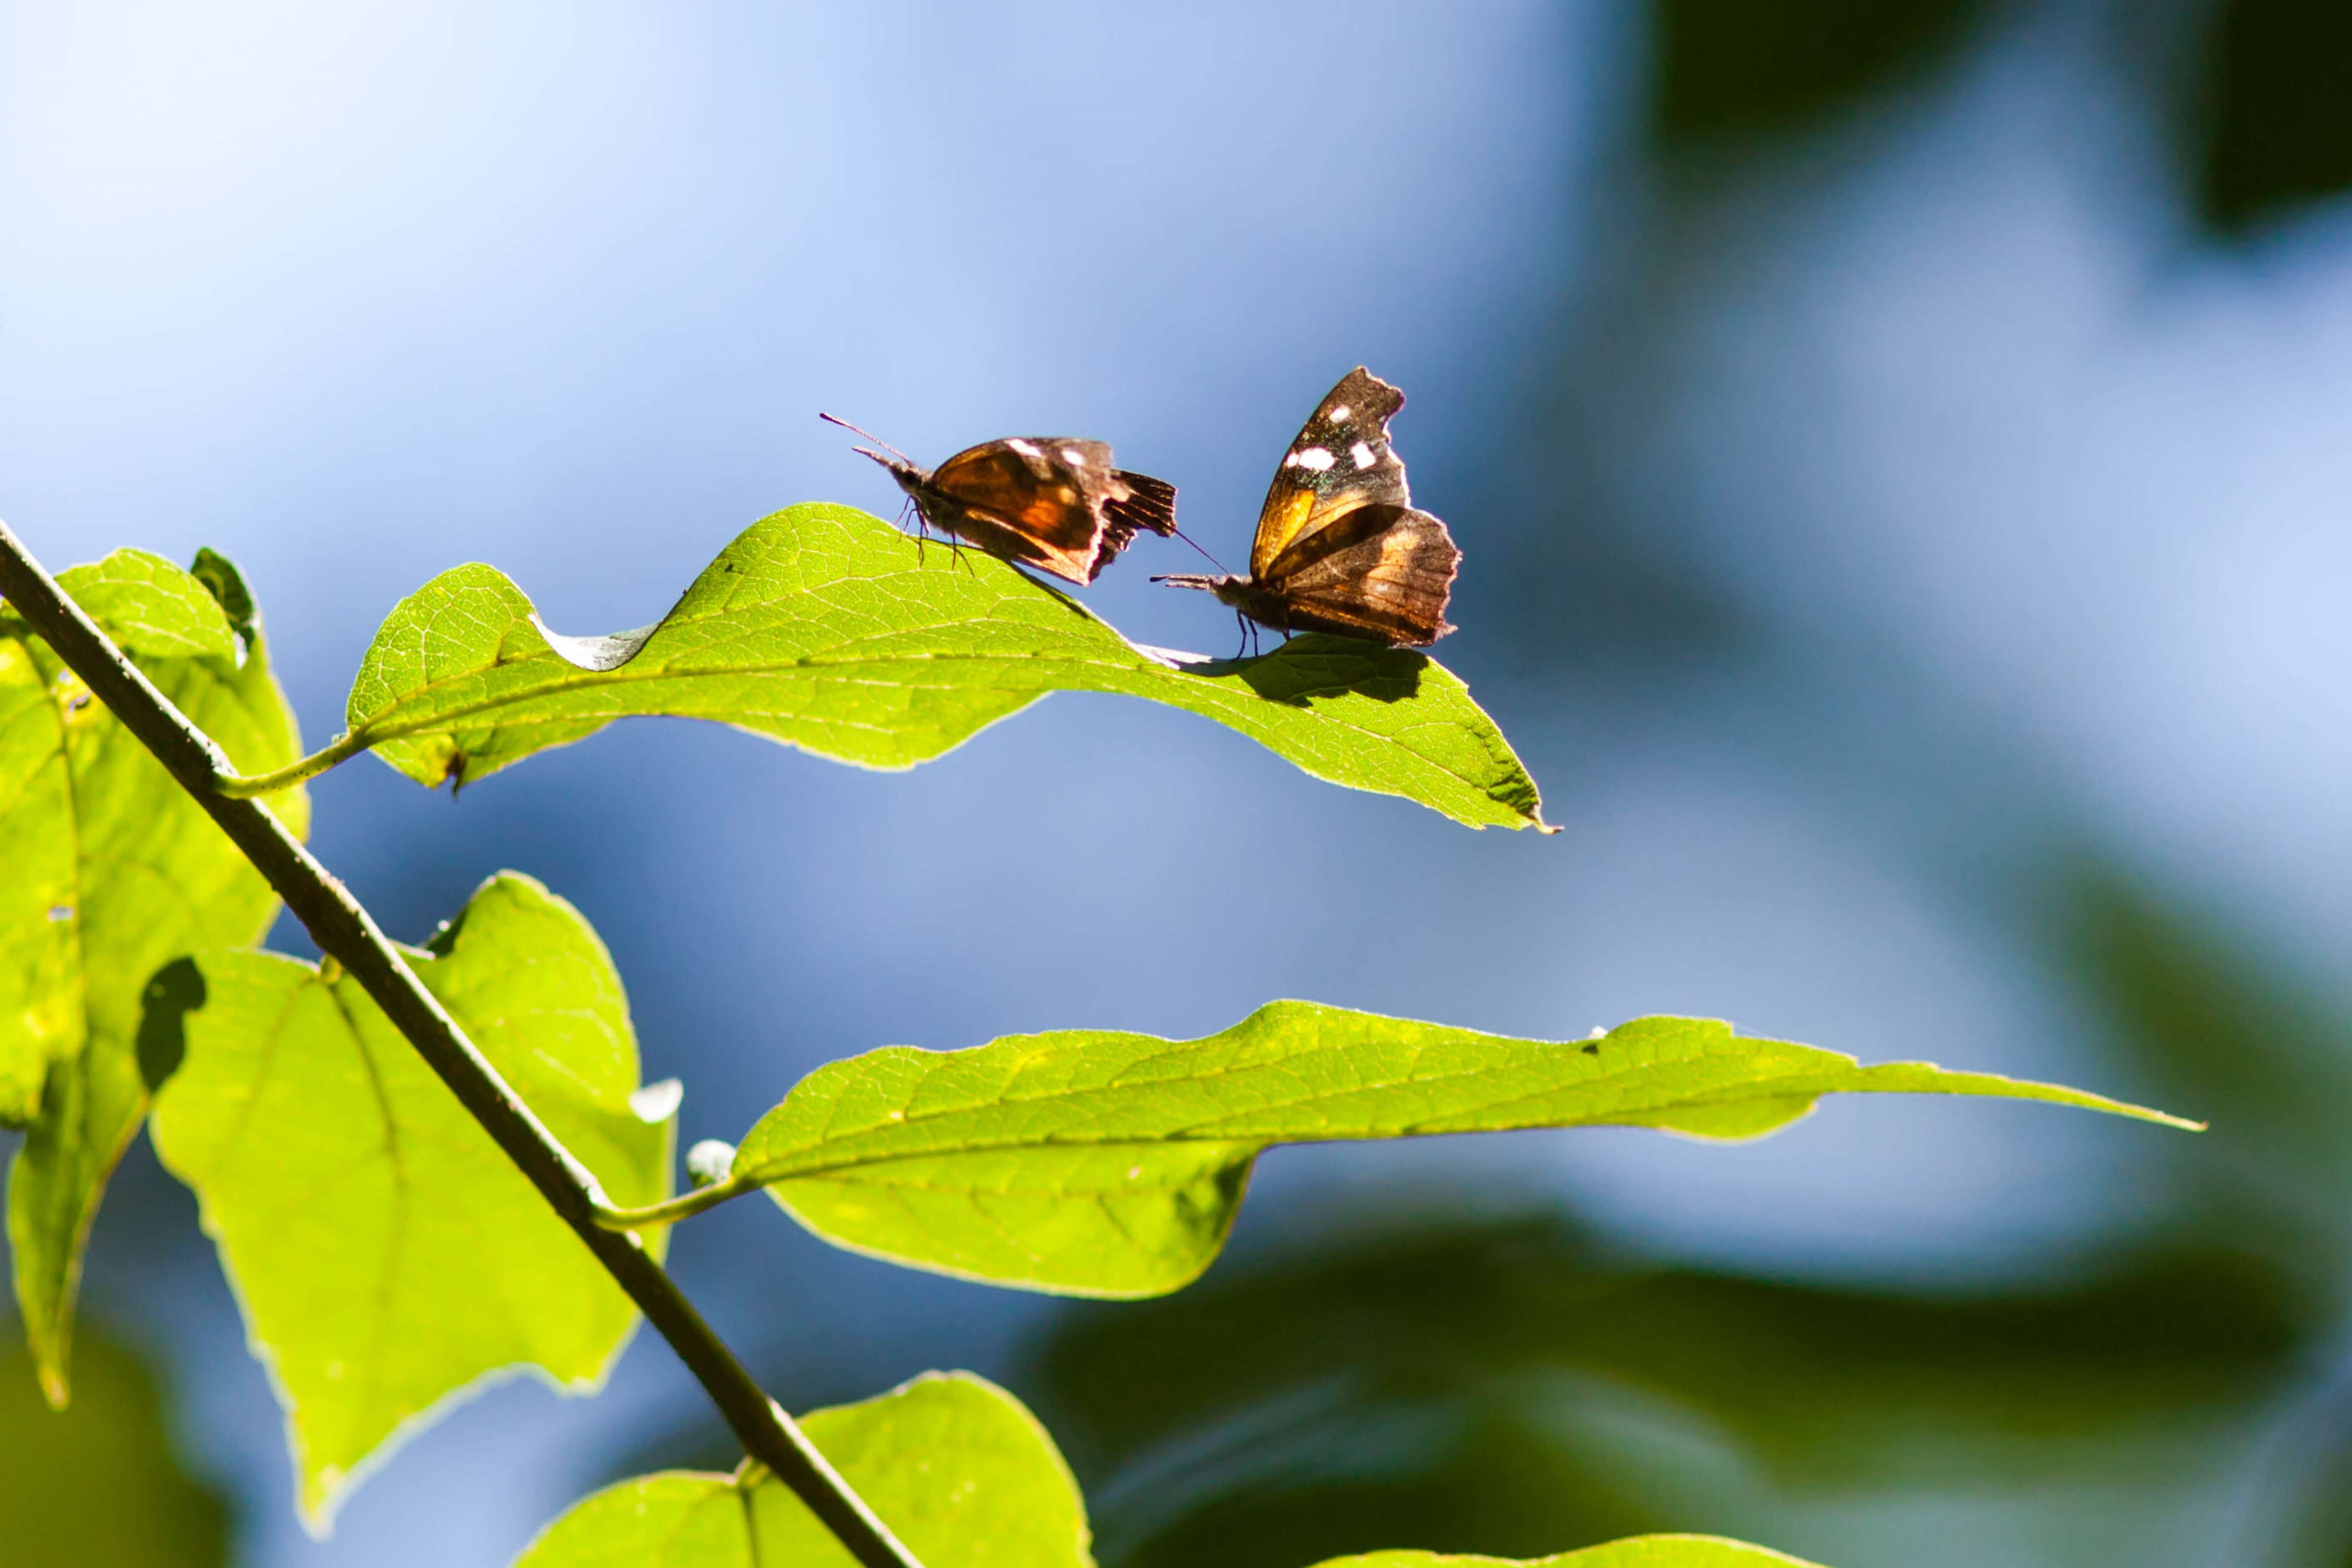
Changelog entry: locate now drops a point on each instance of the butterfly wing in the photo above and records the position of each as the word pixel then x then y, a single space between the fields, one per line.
pixel 1340 463
pixel 1035 499
pixel 1137 501
pixel 1148 503
pixel 1380 571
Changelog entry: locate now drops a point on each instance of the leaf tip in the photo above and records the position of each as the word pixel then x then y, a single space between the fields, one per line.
pixel 321 1495
pixel 598 655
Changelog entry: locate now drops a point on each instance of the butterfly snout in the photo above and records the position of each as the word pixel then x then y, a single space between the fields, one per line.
pixel 909 477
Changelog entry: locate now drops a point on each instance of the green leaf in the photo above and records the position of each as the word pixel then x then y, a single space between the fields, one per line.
pixel 1641 1552
pixel 966 1478
pixel 111 870
pixel 825 628
pixel 152 609
pixel 955 1466
pixel 1094 1163
pixel 99 1486
pixel 386 1253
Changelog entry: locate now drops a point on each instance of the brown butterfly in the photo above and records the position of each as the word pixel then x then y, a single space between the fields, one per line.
pixel 1340 546
pixel 1054 502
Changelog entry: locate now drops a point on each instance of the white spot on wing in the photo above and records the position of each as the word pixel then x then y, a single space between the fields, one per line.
pixel 1362 454
pixel 1024 448
pixel 1337 412
pixel 1072 455
pixel 1314 457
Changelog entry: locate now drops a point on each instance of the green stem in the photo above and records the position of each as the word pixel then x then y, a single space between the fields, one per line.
pixel 247 786
pixel 346 933
pixel 686 1206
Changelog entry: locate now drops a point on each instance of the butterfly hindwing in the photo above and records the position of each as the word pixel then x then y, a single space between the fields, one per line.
pixel 1382 571
pixel 1148 503
pixel 1340 462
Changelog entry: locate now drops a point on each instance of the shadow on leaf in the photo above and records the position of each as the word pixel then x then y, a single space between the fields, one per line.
pixel 176 991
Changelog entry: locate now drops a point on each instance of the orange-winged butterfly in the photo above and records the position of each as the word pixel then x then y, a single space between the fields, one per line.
pixel 1055 502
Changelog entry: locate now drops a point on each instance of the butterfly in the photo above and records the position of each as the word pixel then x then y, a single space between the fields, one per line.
pixel 1054 502
pixel 1339 546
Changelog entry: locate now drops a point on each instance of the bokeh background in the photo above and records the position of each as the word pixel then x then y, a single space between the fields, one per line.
pixel 1902 452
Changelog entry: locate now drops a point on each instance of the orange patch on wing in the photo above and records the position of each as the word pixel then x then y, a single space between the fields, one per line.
pixel 1049 518
pixel 1275 532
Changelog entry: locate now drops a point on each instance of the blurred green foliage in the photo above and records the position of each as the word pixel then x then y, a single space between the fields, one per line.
pixel 2273 108
pixel 1728 68
pixel 1442 1390
pixel 2256 89
pixel 97 1486
pixel 2214 1013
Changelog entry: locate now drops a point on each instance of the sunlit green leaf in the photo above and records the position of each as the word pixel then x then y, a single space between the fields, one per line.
pixel 155 610
pixel 386 1254
pixel 1642 1552
pixel 110 869
pixel 99 1486
pixel 954 1466
pixel 827 629
pixel 1111 1165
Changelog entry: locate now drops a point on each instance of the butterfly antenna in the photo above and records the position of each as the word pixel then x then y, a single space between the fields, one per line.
pixel 836 419
pixel 1196 544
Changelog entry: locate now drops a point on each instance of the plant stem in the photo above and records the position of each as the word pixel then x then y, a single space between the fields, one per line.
pixel 686 1206
pixel 227 781
pixel 347 934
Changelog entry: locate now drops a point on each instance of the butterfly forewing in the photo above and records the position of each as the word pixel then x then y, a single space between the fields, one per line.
pixel 1340 463
pixel 1048 488
pixel 1054 502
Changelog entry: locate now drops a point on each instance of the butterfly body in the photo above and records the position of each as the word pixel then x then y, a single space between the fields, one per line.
pixel 1055 502
pixel 1339 546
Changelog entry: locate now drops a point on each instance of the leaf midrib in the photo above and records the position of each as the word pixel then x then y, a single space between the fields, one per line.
pixel 1777 1087
pixel 380 1325
pixel 627 674
pixel 376 730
